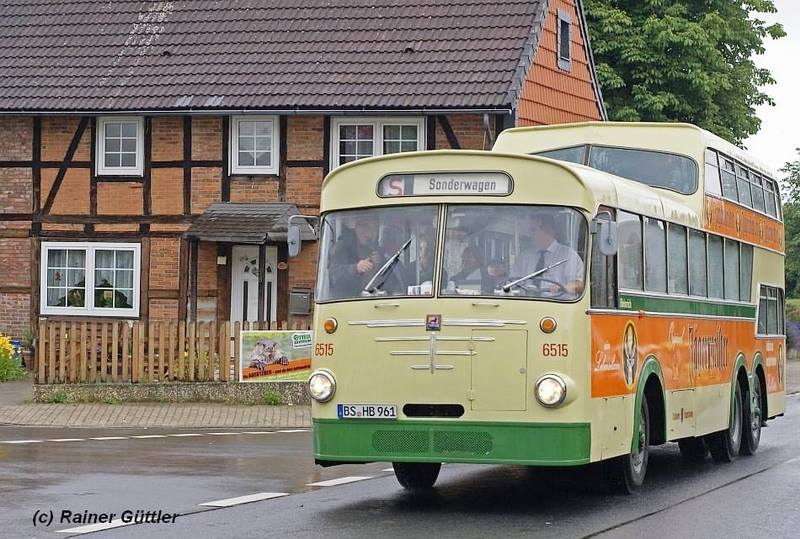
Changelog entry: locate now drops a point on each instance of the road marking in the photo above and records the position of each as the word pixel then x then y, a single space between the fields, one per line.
pixel 184 435
pixel 148 436
pixel 259 432
pixel 96 527
pixel 66 440
pixel 294 430
pixel 388 470
pixel 340 481
pixel 250 498
pixel 22 441
pixel 103 438
pixel 221 433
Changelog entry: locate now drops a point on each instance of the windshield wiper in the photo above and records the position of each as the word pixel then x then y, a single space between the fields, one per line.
pixel 369 289
pixel 508 286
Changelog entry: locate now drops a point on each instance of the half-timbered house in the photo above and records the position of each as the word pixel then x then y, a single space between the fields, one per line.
pixel 151 151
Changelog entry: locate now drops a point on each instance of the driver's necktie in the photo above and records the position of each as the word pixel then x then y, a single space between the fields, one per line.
pixel 540 264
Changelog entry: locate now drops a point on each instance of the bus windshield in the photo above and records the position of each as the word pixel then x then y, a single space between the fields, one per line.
pixel 377 252
pixel 525 251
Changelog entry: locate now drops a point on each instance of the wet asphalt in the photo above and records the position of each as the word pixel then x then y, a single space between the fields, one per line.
pixel 752 497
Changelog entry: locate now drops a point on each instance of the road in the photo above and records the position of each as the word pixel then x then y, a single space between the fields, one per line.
pixel 177 471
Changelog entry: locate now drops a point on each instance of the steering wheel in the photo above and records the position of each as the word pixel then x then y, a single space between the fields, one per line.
pixel 560 288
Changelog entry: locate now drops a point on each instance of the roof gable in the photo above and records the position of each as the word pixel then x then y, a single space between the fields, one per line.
pixel 256 54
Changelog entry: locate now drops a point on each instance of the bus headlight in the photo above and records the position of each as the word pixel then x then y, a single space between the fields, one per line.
pixel 321 385
pixel 551 390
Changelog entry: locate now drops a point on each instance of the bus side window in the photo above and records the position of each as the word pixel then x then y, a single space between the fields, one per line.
pixel 715 267
pixel 630 251
pixel 677 260
pixel 603 278
pixel 746 272
pixel 655 256
pixel 697 264
pixel 732 272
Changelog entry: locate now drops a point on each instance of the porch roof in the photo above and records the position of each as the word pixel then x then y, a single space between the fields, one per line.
pixel 243 223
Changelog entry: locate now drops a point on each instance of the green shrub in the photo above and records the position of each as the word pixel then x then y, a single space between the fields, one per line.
pixel 58 397
pixel 10 368
pixel 273 398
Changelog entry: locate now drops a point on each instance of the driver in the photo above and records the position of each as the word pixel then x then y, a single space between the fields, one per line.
pixel 545 250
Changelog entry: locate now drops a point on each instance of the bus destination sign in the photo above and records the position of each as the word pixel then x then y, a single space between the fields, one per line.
pixel 445 183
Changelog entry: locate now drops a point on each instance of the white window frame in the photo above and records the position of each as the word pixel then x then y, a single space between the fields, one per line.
pixel 89 309
pixel 233 157
pixel 377 123
pixel 101 168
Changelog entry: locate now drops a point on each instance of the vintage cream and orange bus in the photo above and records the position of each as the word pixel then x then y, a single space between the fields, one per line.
pixel 621 290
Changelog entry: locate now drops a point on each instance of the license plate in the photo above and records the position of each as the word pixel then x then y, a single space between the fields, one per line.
pixel 366 411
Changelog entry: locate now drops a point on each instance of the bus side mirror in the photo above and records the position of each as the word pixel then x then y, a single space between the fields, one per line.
pixel 605 234
pixel 293 239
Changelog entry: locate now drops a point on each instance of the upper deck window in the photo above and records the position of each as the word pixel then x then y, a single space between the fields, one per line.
pixel 653 168
pixel 741 184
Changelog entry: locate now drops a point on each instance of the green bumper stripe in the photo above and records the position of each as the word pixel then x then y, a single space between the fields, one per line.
pixel 543 444
pixel 685 306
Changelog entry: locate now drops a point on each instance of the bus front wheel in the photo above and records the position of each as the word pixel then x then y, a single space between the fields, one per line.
pixel 725 444
pixel 625 474
pixel 416 475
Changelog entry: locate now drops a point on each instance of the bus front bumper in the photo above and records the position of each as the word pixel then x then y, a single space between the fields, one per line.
pixel 536 444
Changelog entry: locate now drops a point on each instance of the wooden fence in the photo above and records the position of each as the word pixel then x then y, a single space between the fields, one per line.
pixel 124 352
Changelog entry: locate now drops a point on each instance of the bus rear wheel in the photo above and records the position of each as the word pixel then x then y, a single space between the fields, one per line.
pixel 625 474
pixel 752 419
pixel 693 449
pixel 725 444
pixel 416 475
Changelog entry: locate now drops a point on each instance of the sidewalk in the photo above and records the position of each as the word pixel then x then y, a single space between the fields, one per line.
pixel 14 411
pixel 172 415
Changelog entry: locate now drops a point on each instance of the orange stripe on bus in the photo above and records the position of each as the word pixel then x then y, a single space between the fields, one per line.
pixel 728 218
pixel 692 352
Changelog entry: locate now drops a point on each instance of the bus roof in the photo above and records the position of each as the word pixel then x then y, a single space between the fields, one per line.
pixel 355 184
pixel 681 138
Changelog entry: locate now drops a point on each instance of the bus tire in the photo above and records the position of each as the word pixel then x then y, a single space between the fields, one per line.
pixel 725 444
pixel 416 475
pixel 693 449
pixel 625 474
pixel 752 418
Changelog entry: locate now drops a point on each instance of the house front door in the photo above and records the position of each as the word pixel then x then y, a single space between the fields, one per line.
pixel 244 284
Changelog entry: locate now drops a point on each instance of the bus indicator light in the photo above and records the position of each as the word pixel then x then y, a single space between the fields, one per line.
pixel 547 324
pixel 330 325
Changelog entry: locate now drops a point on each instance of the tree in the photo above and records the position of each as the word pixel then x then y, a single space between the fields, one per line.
pixel 791 223
pixel 683 60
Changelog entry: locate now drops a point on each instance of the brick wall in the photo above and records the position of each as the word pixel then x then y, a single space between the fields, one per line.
pixel 14 314
pixel 57 133
pixel 15 262
pixel 305 138
pixel 73 196
pixel 254 190
pixel 206 139
pixel 164 263
pixel 303 185
pixel 119 199
pixel 163 310
pixel 166 191
pixel 206 188
pixel 167 138
pixel 16 138
pixel 15 189
pixel 468 129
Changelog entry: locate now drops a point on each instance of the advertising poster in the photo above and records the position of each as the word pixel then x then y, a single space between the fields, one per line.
pixel 274 356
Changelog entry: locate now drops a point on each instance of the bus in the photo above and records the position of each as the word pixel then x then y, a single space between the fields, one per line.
pixel 576 295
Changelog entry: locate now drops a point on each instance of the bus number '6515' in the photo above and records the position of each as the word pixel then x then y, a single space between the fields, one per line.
pixel 555 350
pixel 323 349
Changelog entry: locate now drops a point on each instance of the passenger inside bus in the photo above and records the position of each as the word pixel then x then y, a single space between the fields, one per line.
pixel 356 257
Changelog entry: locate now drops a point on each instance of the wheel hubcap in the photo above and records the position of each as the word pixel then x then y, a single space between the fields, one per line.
pixel 637 457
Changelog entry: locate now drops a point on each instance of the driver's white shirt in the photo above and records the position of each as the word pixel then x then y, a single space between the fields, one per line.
pixel 569 271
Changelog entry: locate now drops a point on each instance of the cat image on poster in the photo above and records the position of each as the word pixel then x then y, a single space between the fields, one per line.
pixel 266 352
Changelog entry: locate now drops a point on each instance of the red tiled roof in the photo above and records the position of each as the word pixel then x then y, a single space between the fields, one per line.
pixel 82 55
